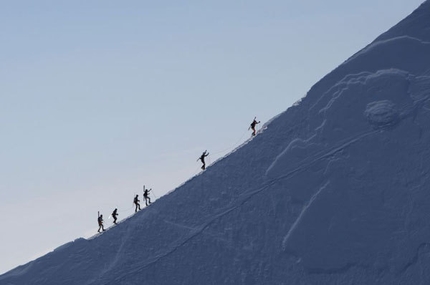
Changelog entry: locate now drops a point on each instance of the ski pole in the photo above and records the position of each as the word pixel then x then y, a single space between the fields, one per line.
pixel 154 194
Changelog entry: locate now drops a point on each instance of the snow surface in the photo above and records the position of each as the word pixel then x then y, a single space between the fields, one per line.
pixel 333 191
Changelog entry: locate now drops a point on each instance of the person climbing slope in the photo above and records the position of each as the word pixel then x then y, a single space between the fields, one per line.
pixel 202 158
pixel 114 215
pixel 146 197
pixel 100 221
pixel 252 126
pixel 136 202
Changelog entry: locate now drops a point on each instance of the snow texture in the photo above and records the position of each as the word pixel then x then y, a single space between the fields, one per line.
pixel 335 190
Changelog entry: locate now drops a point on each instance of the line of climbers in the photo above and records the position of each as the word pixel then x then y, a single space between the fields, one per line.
pixel 136 200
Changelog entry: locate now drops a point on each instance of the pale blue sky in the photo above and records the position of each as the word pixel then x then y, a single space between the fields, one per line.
pixel 100 97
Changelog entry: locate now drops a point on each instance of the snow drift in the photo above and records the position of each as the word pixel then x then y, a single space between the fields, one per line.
pixel 335 190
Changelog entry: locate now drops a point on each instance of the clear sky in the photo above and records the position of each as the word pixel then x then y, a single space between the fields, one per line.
pixel 98 98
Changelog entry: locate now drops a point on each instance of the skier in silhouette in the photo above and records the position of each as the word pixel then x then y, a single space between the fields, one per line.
pixel 146 197
pixel 114 215
pixel 136 202
pixel 202 158
pixel 252 126
pixel 100 221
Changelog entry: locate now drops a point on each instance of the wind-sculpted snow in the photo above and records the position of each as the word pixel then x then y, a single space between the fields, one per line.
pixel 334 191
pixel 382 114
pixel 395 54
pixel 414 27
pixel 368 128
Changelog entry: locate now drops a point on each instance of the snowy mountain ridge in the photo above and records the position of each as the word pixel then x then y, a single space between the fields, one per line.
pixel 334 191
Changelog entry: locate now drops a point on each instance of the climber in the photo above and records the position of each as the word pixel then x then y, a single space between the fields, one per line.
pixel 252 126
pixel 136 202
pixel 202 158
pixel 146 197
pixel 100 221
pixel 114 215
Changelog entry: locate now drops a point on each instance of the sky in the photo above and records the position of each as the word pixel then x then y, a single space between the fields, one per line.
pixel 98 99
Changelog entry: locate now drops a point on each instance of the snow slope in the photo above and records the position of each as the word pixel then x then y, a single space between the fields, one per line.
pixel 334 191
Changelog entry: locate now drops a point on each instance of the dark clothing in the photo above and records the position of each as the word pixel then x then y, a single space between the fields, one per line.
pixel 114 214
pixel 136 202
pixel 100 221
pixel 253 124
pixel 146 196
pixel 202 158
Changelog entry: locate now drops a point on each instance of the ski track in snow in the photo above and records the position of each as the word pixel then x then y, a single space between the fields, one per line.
pixel 195 231
pixel 322 154
pixel 306 164
pixel 288 148
pixel 299 218
pixel 236 204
